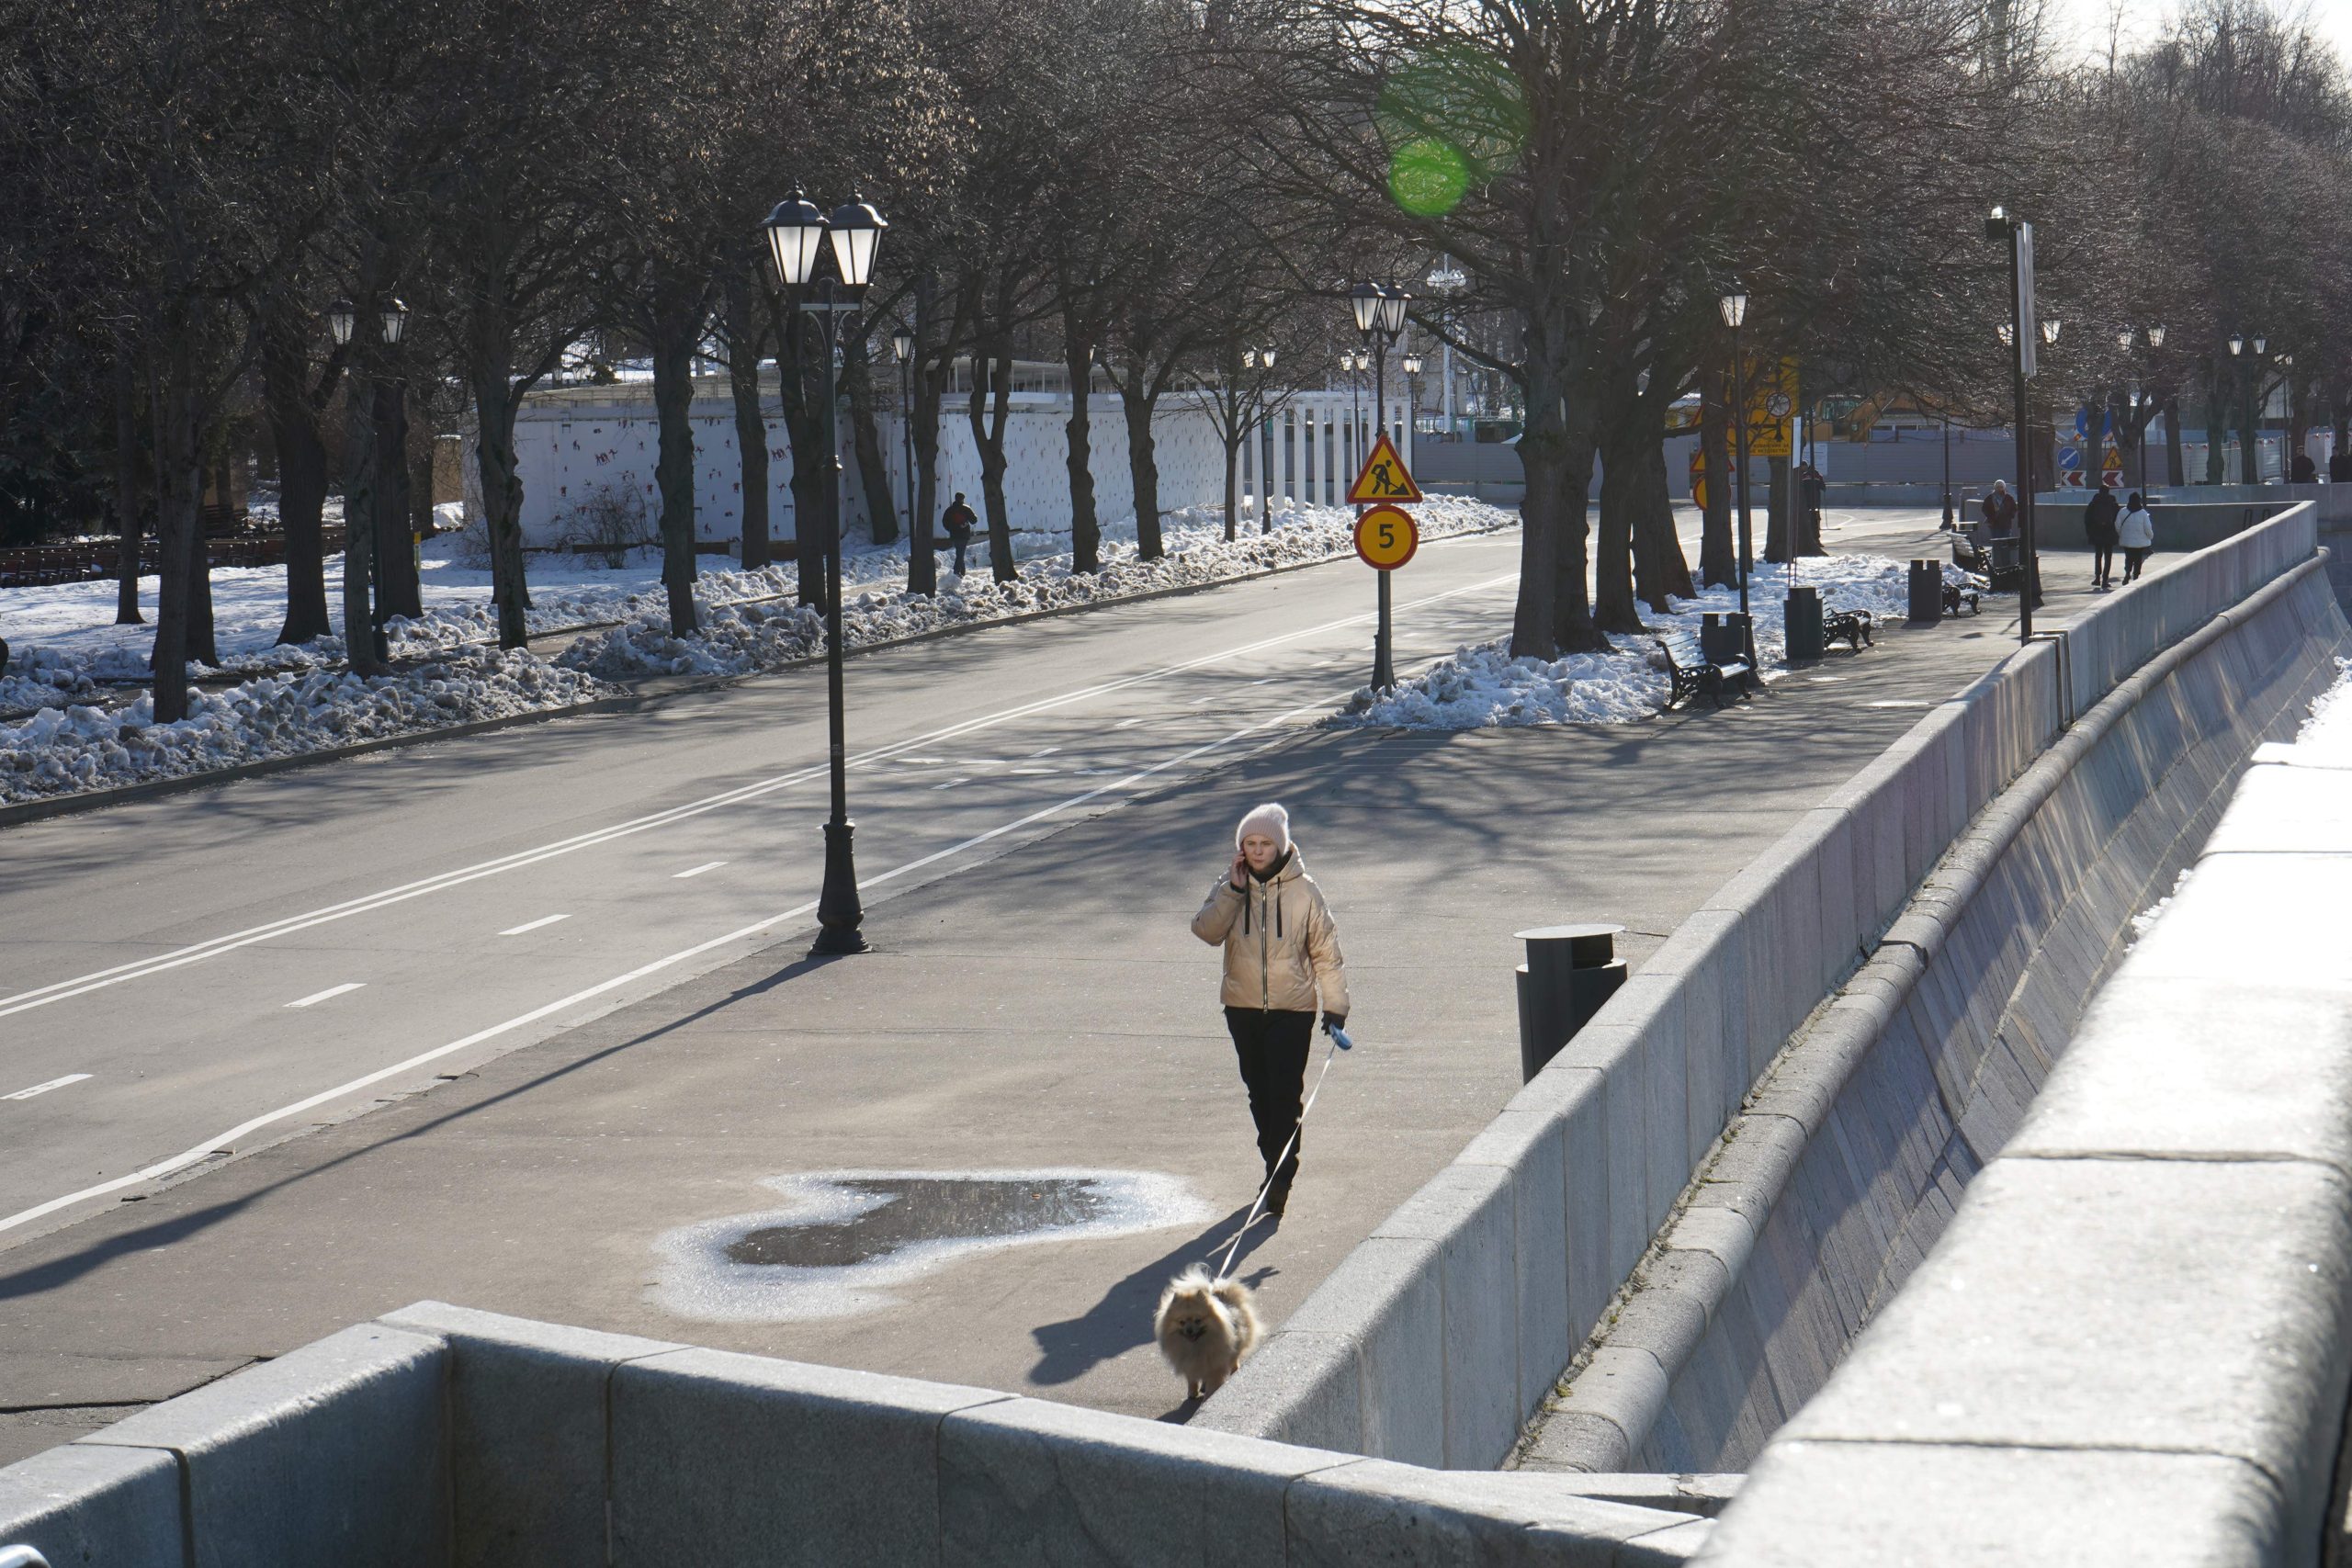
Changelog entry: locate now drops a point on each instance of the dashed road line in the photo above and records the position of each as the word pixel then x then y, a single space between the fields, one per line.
pixel 533 925
pixel 698 870
pixel 40 1088
pixel 316 998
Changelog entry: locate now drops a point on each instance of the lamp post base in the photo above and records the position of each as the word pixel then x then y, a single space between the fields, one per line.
pixel 839 913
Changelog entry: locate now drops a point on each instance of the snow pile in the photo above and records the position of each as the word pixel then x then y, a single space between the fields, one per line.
pixel 2327 733
pixel 740 637
pixel 39 678
pixel 1483 686
pixel 58 750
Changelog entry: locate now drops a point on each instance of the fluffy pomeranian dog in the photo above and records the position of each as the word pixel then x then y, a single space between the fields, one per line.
pixel 1205 1327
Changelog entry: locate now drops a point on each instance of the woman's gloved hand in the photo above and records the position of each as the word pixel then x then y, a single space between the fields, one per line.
pixel 1333 1021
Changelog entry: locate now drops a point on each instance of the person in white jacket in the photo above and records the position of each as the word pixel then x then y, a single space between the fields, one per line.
pixel 2137 535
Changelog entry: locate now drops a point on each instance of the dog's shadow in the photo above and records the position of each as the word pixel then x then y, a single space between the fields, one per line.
pixel 1122 1319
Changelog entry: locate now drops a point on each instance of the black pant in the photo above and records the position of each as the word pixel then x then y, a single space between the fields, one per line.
pixel 2134 558
pixel 961 543
pixel 2102 560
pixel 1272 1049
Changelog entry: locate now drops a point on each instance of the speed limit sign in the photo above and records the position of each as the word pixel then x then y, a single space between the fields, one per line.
pixel 1387 537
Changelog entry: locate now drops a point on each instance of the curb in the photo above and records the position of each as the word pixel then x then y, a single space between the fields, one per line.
pixel 629 699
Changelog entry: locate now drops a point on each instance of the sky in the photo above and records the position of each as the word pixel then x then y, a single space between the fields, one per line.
pixel 2082 25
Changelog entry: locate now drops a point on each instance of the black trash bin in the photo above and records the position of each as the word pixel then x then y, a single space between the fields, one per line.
pixel 1569 971
pixel 1926 592
pixel 1800 624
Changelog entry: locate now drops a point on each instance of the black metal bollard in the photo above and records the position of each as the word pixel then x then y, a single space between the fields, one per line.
pixel 1569 971
pixel 1800 624
pixel 1926 592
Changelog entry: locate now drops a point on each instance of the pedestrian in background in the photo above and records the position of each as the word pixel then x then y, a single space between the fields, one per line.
pixel 2001 511
pixel 958 520
pixel 1281 958
pixel 2138 533
pixel 2099 525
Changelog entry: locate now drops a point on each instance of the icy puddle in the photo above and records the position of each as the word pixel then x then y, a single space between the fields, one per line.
pixel 844 1239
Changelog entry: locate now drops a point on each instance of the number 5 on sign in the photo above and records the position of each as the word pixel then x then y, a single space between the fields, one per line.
pixel 1387 537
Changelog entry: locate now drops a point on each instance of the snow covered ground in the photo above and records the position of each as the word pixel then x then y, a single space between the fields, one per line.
pixel 60 750
pixel 738 638
pixel 56 738
pixel 2327 733
pixel 1482 687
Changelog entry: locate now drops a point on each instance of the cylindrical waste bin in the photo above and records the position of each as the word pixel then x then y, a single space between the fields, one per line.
pixel 1568 974
pixel 1722 637
pixel 1800 624
pixel 1926 592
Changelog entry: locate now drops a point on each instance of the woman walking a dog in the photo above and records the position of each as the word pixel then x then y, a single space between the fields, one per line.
pixel 1281 958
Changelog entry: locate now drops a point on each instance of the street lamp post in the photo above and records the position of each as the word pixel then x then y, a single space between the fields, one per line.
pixel 1948 512
pixel 902 344
pixel 1254 360
pixel 1735 309
pixel 1380 317
pixel 2018 236
pixel 796 232
pixel 363 622
pixel 1413 391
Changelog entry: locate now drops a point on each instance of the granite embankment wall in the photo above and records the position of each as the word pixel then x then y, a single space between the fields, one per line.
pixel 1849 1161
pixel 1441 1335
pixel 440 1437
pixel 2134 1342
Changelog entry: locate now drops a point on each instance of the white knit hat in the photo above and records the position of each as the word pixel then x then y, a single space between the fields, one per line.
pixel 1269 819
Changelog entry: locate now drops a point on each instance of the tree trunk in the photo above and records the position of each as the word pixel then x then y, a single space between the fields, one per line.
pixel 177 525
pixel 1143 465
pixel 1718 546
pixel 674 469
pixel 873 473
pixel 1660 572
pixel 929 381
pixel 1620 464
pixel 2217 435
pixel 2176 468
pixel 989 408
pixel 1234 435
pixel 798 344
pixel 501 500
pixel 1085 527
pixel 127 523
pixel 1573 628
pixel 744 338
pixel 2249 438
pixel 359 458
pixel 302 472
pixel 398 592
pixel 1778 543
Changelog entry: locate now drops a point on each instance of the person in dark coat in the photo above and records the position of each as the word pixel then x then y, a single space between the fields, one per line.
pixel 2098 525
pixel 958 520
pixel 2306 471
pixel 2001 511
pixel 2339 466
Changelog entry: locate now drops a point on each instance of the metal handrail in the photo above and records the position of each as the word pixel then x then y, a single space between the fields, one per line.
pixel 21 1557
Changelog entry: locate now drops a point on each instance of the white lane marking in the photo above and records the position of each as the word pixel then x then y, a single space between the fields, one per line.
pixel 1901 702
pixel 1046 753
pixel 533 925
pixel 1034 772
pixel 698 870
pixel 45 1087
pixel 229 1139
pixel 81 985
pixel 1267 681
pixel 1131 723
pixel 1210 698
pixel 951 784
pixel 316 998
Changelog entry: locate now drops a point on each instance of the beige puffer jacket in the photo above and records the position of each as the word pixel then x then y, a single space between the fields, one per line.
pixel 1282 948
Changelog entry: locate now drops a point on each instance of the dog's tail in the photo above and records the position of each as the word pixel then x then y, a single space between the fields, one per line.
pixel 1241 1302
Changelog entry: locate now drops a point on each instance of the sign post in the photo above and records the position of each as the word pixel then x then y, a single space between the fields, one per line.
pixel 1386 536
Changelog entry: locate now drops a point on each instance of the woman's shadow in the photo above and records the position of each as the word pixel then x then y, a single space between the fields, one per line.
pixel 1122 1319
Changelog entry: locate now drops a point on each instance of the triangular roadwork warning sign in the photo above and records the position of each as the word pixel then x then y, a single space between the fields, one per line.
pixel 1385 477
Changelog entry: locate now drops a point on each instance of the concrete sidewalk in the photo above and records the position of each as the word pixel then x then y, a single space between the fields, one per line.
pixel 1049 1008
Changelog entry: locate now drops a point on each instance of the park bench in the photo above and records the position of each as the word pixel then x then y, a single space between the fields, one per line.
pixel 1852 627
pixel 1955 596
pixel 1695 675
pixel 2000 562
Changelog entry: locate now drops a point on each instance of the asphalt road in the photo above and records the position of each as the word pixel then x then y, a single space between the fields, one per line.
pixel 209 972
